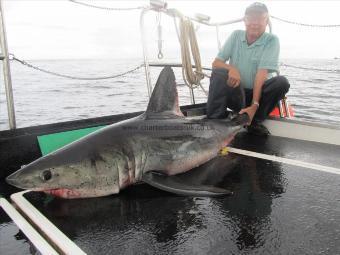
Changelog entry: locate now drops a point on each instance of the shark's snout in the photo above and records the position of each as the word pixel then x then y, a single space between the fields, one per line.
pixel 14 180
pixel 10 180
pixel 24 178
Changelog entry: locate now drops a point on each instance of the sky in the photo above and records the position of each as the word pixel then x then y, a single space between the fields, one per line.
pixel 60 29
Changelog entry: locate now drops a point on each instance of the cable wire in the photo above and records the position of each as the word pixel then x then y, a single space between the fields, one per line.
pixel 106 8
pixel 25 63
pixel 305 24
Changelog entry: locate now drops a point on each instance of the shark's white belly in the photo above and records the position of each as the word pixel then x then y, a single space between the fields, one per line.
pixel 173 157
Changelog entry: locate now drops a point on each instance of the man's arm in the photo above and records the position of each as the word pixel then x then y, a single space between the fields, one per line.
pixel 268 61
pixel 234 77
pixel 260 78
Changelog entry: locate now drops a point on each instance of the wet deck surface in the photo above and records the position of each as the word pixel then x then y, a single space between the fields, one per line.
pixel 275 209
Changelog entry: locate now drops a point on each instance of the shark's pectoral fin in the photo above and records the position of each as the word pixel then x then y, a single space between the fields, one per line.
pixel 174 184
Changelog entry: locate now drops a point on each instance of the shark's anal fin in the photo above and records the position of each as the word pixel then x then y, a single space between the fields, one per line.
pixel 174 184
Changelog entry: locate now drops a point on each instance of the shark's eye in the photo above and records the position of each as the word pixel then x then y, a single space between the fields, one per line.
pixel 46 175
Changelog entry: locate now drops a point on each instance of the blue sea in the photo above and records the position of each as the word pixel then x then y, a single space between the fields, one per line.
pixel 42 98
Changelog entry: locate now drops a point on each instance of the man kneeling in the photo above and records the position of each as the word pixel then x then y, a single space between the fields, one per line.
pixel 248 83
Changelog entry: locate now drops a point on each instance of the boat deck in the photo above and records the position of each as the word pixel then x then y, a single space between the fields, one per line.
pixel 276 208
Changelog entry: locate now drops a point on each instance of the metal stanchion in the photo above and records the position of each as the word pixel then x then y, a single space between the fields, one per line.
pixel 7 72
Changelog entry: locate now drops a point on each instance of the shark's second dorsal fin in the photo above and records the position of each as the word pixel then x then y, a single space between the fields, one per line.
pixel 164 98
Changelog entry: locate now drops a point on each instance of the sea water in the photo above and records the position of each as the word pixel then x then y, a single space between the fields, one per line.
pixel 43 98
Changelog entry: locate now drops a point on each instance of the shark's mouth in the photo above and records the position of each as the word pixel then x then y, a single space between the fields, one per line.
pixel 64 193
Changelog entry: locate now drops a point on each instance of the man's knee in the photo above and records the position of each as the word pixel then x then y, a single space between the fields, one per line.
pixel 283 84
pixel 219 72
pixel 218 80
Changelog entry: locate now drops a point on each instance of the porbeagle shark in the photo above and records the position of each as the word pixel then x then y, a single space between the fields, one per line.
pixel 152 148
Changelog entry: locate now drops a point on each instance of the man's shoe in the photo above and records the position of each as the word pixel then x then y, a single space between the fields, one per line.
pixel 257 128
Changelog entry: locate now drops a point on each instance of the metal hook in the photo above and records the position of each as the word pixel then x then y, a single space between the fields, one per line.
pixel 11 56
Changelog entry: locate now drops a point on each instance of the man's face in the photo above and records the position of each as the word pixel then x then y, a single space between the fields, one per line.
pixel 256 23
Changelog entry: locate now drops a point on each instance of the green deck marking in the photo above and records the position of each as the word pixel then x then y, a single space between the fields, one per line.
pixel 52 142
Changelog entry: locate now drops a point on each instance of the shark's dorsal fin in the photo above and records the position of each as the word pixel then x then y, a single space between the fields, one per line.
pixel 164 98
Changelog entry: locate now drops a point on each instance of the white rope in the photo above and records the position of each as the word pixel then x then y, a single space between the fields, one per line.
pixel 293 162
pixel 187 36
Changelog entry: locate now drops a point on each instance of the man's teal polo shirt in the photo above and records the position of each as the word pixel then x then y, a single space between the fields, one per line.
pixel 248 59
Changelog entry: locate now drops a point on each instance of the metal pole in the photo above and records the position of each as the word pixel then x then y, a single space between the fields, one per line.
pixel 218 37
pixel 7 72
pixel 282 115
pixel 145 52
pixel 286 107
pixel 192 96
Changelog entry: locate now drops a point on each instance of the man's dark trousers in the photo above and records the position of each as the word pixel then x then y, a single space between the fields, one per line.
pixel 222 96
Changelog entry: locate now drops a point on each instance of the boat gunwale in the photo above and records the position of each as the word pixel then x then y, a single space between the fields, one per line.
pixel 305 123
pixel 109 119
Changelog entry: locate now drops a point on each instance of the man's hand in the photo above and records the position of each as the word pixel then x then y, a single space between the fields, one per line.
pixel 234 77
pixel 251 110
